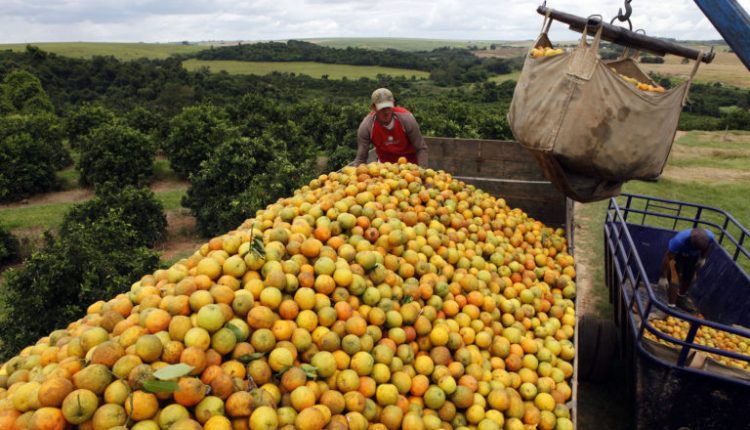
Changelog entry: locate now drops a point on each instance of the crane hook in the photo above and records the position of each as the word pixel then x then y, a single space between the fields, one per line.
pixel 624 17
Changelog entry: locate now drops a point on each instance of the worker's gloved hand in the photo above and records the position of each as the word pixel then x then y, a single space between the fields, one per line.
pixel 663 283
pixel 701 262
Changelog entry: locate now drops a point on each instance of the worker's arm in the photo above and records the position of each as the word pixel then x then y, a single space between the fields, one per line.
pixel 673 271
pixel 668 268
pixel 411 127
pixel 363 140
pixel 702 259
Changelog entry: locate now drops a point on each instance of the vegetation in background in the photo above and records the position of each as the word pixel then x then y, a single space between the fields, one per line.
pixel 242 176
pixel 407 44
pixel 340 157
pixel 90 262
pixel 9 247
pixel 22 93
pixel 80 122
pixel 116 153
pixel 148 122
pixel 447 66
pixel 309 68
pixel 31 147
pixel 27 168
pixel 137 207
pixel 121 51
pixel 194 134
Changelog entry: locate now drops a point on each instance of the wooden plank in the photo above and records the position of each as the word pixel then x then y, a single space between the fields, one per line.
pixel 440 147
pixel 483 158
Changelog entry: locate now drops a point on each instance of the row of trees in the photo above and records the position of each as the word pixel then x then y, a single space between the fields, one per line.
pixel 447 66
pixel 164 87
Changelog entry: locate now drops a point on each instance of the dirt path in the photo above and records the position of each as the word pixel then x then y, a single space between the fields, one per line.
pixel 182 237
pixel 82 194
pixel 69 196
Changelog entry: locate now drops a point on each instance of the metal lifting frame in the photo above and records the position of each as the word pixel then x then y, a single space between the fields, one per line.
pixel 732 22
pixel 624 37
pixel 727 16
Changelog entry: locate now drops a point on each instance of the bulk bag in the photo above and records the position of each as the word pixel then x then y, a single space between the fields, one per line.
pixel 579 110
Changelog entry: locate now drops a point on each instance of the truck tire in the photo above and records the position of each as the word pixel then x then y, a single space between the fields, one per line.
pixel 597 344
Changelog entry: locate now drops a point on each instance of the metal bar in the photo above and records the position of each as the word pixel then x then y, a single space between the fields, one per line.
pixel 732 22
pixel 697 217
pixel 624 37
pixel 723 229
pixel 689 341
pixel 740 246
pixel 627 207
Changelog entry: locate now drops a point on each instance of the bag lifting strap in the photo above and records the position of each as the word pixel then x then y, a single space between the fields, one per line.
pixel 692 75
pixel 547 22
pixel 597 38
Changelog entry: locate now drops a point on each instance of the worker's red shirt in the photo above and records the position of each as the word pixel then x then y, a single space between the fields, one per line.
pixel 394 143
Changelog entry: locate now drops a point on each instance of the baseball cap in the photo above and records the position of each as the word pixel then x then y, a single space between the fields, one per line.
pixel 382 98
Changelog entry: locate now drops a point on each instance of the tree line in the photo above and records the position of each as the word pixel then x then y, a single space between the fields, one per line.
pixel 447 66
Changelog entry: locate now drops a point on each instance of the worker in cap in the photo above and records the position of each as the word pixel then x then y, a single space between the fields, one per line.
pixel 393 131
pixel 686 253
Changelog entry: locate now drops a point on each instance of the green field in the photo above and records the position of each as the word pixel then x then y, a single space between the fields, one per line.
pixel 315 70
pixel 726 68
pixel 50 216
pixel 406 44
pixel 507 77
pixel 122 51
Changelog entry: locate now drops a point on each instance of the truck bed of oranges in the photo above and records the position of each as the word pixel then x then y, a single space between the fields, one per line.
pixel 384 296
pixel 706 336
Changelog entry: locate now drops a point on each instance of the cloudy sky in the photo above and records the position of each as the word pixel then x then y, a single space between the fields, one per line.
pixel 199 20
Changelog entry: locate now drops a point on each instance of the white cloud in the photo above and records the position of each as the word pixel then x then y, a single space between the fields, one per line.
pixel 170 20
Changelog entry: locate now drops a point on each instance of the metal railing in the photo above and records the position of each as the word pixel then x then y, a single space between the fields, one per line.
pixel 626 271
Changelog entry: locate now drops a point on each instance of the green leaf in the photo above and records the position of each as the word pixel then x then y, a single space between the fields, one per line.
pixel 310 371
pixel 258 247
pixel 173 371
pixel 160 386
pixel 250 357
pixel 407 299
pixel 237 332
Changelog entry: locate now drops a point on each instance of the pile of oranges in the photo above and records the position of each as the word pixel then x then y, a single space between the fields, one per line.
pixel 384 296
pixel 641 85
pixel 706 336
pixel 545 52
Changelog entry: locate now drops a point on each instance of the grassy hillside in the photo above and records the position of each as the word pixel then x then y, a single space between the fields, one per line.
pixel 122 51
pixel 404 44
pixel 502 78
pixel 315 70
pixel 726 68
